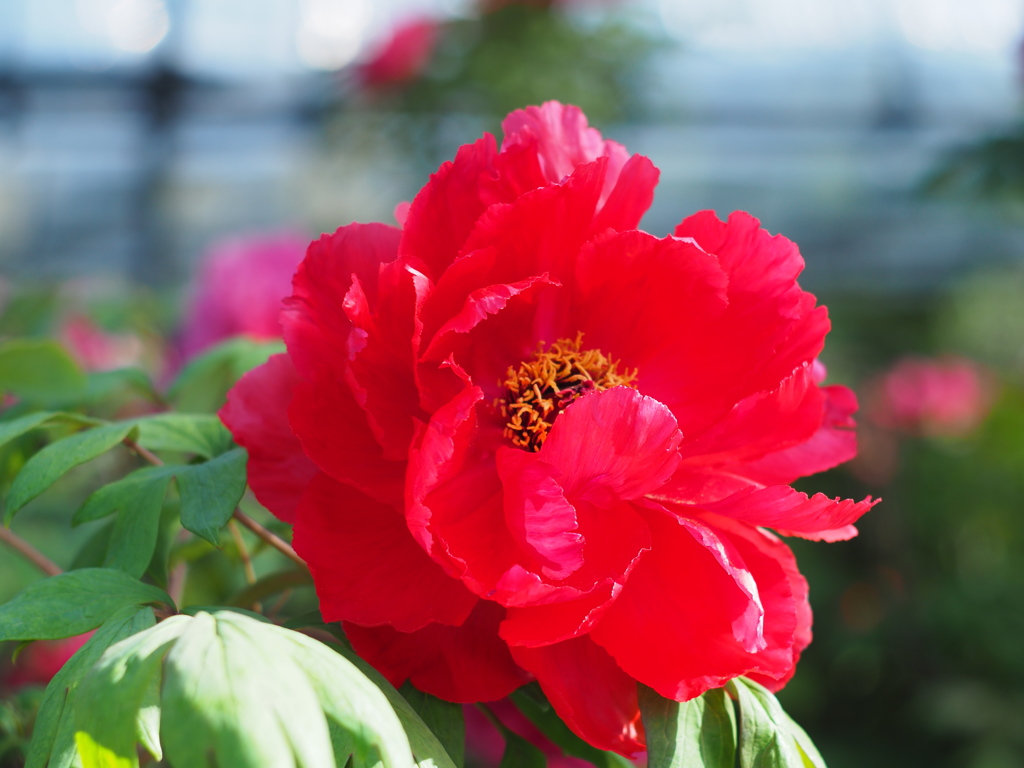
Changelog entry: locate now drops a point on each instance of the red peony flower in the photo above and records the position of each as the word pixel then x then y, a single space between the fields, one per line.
pixel 945 396
pixel 521 439
pixel 403 56
pixel 41 660
pixel 239 290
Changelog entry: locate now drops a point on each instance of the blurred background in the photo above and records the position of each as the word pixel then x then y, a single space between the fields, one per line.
pixel 162 162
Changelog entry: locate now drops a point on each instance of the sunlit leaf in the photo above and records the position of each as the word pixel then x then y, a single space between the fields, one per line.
pixel 107 726
pixel 765 737
pixel 426 748
pixel 53 735
pixel 228 690
pixel 699 732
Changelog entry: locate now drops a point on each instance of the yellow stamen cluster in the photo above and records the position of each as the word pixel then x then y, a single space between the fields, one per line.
pixel 540 389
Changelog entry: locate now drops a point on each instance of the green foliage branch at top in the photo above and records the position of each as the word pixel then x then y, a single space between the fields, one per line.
pixel 222 685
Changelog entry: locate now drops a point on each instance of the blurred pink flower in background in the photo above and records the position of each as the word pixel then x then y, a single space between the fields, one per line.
pixel 97 350
pixel 940 396
pixel 403 56
pixel 239 288
pixel 41 660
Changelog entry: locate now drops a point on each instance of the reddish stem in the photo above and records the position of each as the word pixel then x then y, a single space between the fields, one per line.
pixel 30 553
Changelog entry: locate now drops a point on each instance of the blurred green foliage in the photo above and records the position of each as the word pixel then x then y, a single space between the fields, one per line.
pixel 917 656
pixel 991 168
pixel 485 66
pixel 523 54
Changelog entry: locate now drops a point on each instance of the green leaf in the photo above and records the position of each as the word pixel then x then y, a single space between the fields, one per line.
pixel 532 703
pixel 210 492
pixel 228 700
pixel 9 430
pixel 426 748
pixel 108 726
pixel 443 718
pixel 808 752
pixel 192 610
pixel 53 735
pixel 350 700
pixel 121 494
pixel 699 732
pixel 203 383
pixel 73 603
pixel 228 690
pixel 94 551
pixel 139 498
pixel 198 433
pixel 46 467
pixel 120 383
pixel 159 569
pixel 765 738
pixel 40 370
pixel 133 540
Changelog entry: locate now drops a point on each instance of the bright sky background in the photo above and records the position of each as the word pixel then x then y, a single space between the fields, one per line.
pixel 259 37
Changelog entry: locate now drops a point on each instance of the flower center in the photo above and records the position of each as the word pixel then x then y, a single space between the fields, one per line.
pixel 541 388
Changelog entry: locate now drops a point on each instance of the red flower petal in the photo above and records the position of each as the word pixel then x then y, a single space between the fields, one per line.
pixel 772 326
pixel 367 567
pixel 366 339
pixel 613 445
pixel 457 510
pixel 589 691
pixel 656 304
pixel 335 434
pixel 532 243
pixel 694 485
pixel 463 664
pixel 445 211
pixel 615 539
pixel 792 513
pixel 682 597
pixel 317 327
pixel 537 625
pixel 537 513
pixel 564 141
pixel 788 415
pixel 441 454
pixel 278 469
pixel 771 418
pixel 784 599
pixel 834 443
pixel 630 198
pixel 478 306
